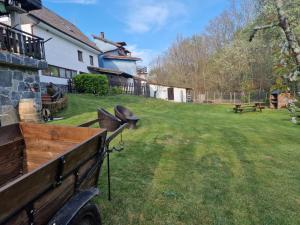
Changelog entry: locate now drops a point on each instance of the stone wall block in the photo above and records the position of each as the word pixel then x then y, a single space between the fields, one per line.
pixel 22 87
pixel 27 94
pixel 5 78
pixel 18 75
pixel 4 100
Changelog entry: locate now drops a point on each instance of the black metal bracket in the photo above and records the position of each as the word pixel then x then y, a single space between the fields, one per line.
pixel 60 170
pixel 30 213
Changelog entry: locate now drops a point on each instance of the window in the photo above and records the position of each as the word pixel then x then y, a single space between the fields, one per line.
pixel 56 71
pixel 51 71
pixel 80 56
pixel 62 73
pixel 91 60
pixel 69 74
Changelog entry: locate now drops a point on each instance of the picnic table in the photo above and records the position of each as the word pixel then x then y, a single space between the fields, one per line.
pixel 239 108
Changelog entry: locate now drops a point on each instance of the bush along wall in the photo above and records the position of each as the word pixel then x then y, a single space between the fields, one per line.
pixel 91 83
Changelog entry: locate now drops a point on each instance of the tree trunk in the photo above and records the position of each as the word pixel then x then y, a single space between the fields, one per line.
pixel 290 36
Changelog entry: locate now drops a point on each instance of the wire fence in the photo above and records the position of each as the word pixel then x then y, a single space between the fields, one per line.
pixel 214 97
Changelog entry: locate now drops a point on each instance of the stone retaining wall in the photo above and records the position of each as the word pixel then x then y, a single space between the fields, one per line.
pixel 19 79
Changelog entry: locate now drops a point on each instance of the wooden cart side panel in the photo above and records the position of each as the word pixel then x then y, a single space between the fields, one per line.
pixel 40 152
pixel 27 188
pixel 56 133
pixel 11 161
pixel 10 134
pixel 20 219
pixel 83 153
pixel 22 190
pixel 50 203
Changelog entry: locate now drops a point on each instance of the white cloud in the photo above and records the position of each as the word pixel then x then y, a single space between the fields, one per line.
pixel 147 55
pixel 151 15
pixel 83 2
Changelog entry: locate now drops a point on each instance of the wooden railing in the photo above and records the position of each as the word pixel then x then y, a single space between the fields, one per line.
pixel 20 42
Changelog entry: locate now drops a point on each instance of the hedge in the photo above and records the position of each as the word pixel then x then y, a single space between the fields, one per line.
pixel 91 83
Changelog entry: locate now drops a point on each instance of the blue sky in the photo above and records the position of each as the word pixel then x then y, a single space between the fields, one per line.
pixel 148 26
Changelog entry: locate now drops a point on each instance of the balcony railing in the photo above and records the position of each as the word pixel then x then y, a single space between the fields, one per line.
pixel 20 42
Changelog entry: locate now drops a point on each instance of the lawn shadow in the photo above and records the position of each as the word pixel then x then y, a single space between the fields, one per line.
pixel 260 208
pixel 216 178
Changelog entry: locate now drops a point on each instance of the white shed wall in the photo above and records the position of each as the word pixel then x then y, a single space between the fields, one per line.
pixel 161 91
pixel 180 95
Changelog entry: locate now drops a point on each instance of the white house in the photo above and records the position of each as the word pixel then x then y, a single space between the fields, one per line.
pixel 68 51
pixel 170 93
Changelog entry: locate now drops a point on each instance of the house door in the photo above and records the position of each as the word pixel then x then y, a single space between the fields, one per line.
pixel 171 93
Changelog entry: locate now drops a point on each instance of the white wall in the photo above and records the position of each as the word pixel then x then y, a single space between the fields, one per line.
pixel 180 95
pixel 104 46
pixel 162 93
pixel 62 51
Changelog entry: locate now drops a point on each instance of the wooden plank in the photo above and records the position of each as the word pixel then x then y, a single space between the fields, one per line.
pixel 9 134
pixel 20 219
pixel 11 161
pixel 50 203
pixel 82 153
pixel 20 42
pixel 14 42
pixel 18 193
pixel 56 133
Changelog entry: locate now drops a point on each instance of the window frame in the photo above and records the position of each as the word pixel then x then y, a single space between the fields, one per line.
pixel 91 60
pixel 72 73
pixel 80 55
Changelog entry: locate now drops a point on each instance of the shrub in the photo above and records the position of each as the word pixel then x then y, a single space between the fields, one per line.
pixel 91 83
pixel 115 91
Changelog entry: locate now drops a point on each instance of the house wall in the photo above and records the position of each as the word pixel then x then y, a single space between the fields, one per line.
pixel 103 46
pixel 62 51
pixel 127 66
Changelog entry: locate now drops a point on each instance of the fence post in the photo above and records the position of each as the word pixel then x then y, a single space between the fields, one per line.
pixel 214 97
pixel 221 97
pixel 249 98
pixel 234 98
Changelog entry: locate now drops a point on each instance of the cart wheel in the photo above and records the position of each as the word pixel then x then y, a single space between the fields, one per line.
pixel 88 215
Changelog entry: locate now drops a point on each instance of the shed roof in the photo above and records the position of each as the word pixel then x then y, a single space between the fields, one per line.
pixel 166 85
pixel 109 71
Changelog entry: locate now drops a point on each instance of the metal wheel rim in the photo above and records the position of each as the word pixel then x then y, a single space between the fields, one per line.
pixel 87 220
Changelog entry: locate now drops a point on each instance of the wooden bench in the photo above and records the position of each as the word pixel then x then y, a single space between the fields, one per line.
pixel 239 108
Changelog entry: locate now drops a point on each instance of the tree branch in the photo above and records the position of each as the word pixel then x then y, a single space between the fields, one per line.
pixel 265 27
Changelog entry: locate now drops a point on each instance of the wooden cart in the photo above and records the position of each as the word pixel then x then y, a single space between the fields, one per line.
pixel 49 174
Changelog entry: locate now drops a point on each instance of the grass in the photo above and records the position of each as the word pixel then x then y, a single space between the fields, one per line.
pixel 199 164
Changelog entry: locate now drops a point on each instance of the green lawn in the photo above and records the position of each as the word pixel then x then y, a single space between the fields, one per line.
pixel 199 164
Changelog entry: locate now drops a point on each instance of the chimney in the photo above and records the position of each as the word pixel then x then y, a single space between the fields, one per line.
pixel 102 35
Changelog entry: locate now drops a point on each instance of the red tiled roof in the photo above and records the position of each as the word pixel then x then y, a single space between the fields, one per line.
pixel 57 22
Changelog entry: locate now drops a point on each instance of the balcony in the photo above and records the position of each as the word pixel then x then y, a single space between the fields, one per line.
pixel 19 42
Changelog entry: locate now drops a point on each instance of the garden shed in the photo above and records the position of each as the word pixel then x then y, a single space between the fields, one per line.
pixel 170 92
